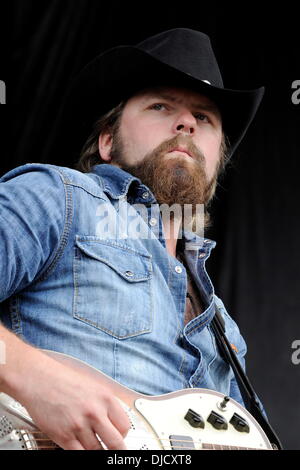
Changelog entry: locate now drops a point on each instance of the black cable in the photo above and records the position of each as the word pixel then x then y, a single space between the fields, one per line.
pixel 246 389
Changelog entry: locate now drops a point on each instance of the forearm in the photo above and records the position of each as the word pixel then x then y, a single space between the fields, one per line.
pixel 68 406
pixel 16 361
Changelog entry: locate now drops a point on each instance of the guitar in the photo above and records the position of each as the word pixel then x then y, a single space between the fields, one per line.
pixel 190 419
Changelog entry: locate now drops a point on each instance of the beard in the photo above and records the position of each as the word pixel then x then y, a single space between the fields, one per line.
pixel 173 179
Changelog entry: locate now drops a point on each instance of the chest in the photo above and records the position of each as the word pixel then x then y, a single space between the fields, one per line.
pixel 194 304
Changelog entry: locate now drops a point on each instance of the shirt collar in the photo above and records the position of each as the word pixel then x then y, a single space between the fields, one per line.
pixel 193 242
pixel 116 182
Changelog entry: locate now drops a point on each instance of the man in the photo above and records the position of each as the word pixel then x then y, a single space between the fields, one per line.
pixel 79 275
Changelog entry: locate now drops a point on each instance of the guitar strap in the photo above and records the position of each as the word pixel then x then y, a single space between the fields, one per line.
pixel 248 394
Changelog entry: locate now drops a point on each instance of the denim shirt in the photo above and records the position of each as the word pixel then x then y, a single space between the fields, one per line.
pixel 72 283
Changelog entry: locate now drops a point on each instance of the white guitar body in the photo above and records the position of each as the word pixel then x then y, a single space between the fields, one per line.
pixel 190 419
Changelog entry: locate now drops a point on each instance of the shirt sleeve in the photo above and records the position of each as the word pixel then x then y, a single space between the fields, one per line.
pixel 32 221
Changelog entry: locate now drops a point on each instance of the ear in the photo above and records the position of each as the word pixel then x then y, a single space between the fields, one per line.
pixel 104 145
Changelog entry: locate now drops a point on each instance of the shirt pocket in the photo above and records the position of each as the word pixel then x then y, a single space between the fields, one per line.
pixel 112 287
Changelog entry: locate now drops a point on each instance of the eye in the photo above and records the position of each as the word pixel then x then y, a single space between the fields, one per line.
pixel 157 106
pixel 202 117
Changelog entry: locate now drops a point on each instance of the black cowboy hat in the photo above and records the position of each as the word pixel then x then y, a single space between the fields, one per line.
pixel 177 57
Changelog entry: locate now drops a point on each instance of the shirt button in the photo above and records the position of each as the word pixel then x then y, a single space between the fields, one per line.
pixel 145 195
pixel 202 255
pixel 153 222
pixel 178 269
pixel 129 273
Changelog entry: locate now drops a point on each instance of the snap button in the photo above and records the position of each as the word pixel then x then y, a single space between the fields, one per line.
pixel 178 269
pixel 129 273
pixel 202 255
pixel 206 241
pixel 145 195
pixel 153 222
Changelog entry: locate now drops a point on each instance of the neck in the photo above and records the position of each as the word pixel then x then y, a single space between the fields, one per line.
pixel 171 231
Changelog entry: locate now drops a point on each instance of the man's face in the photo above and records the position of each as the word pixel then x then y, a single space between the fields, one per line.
pixel 170 138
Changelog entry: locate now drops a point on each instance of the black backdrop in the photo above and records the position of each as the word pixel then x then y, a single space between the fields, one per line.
pixel 256 265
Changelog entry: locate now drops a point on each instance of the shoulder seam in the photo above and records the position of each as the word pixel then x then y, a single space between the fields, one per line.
pixel 68 220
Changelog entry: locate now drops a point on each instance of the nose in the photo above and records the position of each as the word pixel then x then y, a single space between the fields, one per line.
pixel 185 123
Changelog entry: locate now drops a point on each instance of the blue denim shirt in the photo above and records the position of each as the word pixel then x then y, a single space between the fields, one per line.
pixel 70 282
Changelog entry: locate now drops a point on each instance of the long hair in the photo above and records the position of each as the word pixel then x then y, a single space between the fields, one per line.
pixel 90 155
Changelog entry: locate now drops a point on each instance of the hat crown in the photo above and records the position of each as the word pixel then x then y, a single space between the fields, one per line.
pixel 186 50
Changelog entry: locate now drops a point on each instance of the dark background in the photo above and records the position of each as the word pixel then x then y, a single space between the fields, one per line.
pixel 256 264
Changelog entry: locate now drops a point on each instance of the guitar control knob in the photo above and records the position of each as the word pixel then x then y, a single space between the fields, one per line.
pixel 239 423
pixel 217 421
pixel 194 419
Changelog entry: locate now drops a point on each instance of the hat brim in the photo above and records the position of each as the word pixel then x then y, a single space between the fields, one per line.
pixel 120 72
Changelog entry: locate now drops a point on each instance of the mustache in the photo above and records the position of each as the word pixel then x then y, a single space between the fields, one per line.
pixel 178 141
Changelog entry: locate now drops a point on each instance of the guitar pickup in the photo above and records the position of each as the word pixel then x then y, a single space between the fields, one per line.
pixel 181 442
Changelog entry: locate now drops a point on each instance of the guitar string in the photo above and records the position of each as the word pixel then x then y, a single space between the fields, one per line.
pixel 206 446
pixel 148 438
pixel 128 437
